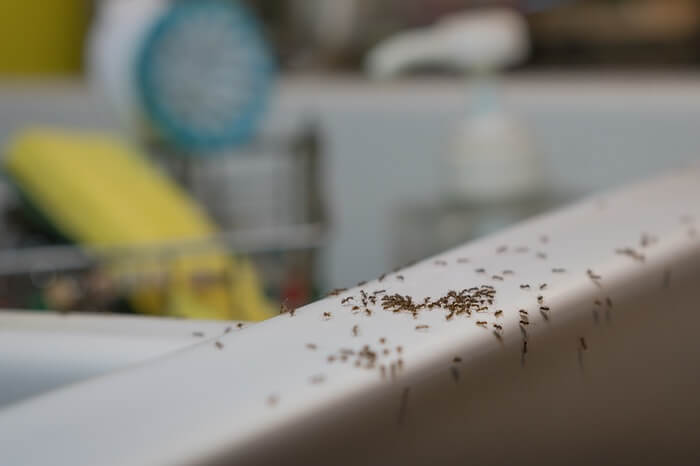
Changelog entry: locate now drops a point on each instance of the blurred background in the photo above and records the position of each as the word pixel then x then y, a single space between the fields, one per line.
pixel 220 158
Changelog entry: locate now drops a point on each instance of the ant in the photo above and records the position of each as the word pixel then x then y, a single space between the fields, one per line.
pixel 337 291
pixel 284 308
pixel 317 379
pixel 402 405
pixel 666 279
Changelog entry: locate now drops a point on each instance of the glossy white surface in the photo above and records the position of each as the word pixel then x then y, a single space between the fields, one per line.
pixel 628 391
pixel 44 351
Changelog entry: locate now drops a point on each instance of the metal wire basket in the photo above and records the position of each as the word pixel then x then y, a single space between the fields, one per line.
pixel 265 197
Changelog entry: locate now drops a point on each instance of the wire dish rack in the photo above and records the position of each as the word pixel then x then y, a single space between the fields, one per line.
pixel 265 197
pixel 75 278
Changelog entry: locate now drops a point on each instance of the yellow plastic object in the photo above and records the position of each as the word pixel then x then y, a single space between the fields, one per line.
pixel 42 36
pixel 101 193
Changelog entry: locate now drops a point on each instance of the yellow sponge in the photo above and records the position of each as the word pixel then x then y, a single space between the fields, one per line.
pixel 99 192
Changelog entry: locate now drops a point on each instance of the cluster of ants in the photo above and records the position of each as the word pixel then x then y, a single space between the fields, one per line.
pixel 477 300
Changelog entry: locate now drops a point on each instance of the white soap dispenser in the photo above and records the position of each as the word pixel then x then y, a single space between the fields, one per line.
pixel 493 172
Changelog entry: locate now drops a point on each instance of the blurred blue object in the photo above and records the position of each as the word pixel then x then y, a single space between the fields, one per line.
pixel 204 75
pixel 539 5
